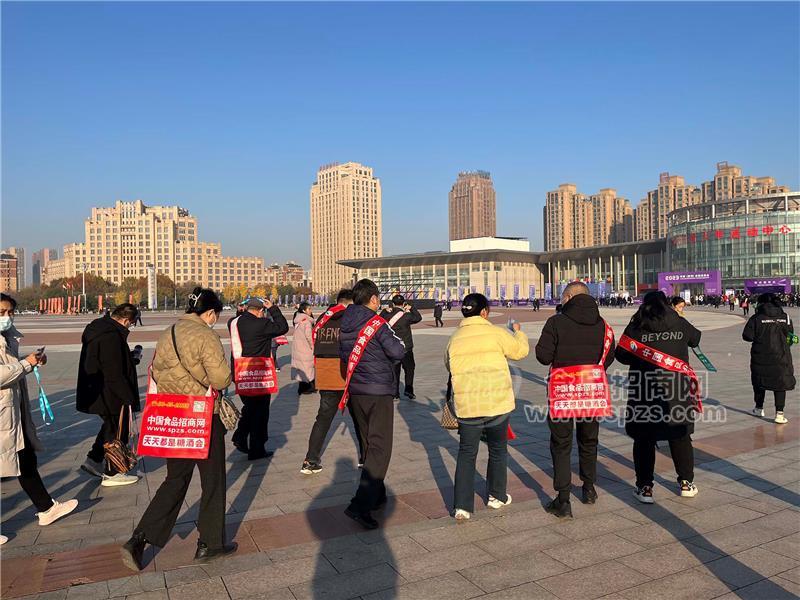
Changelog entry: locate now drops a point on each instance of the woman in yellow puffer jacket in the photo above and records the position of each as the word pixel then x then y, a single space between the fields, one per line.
pixel 483 398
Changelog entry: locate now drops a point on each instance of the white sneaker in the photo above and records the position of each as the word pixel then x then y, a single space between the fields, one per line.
pixel 758 412
pixel 495 503
pixel 3 539
pixel 118 479
pixel 55 512
pixel 461 515
pixel 644 494
pixel 93 468
pixel 688 489
pixel 780 419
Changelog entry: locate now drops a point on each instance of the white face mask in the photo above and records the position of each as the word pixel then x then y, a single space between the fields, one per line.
pixel 6 322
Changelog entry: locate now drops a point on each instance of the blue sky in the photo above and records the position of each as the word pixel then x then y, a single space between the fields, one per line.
pixel 228 109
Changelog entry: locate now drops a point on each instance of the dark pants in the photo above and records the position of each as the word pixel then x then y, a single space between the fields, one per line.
pixel 275 355
pixel 160 516
pixel 561 449
pixel 439 322
pixel 305 387
pixel 780 399
pixel 107 433
pixel 496 471
pixel 644 459
pixel 29 479
pixel 375 418
pixel 408 370
pixel 328 405
pixel 251 432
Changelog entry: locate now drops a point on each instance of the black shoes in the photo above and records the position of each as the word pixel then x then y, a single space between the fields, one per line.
pixel 363 519
pixel 204 553
pixel 133 551
pixel 559 508
pixel 410 393
pixel 589 495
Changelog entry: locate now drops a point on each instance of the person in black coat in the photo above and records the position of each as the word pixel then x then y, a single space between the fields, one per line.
pixel 107 385
pixel 437 315
pixel 574 336
pixel 770 356
pixel 401 315
pixel 661 405
pixel 371 388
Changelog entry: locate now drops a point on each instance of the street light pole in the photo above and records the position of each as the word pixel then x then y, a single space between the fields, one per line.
pixel 83 283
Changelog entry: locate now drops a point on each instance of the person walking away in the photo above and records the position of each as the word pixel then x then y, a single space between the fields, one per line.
pixel 108 387
pixel 437 315
pixel 370 348
pixel 256 333
pixel 303 350
pixel 188 360
pixel 769 330
pixel 745 304
pixel 574 336
pixel 477 357
pixel 663 396
pixel 401 315
pixel 330 374
pixel 18 440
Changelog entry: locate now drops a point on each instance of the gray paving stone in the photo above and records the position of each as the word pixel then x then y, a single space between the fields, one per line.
pixel 736 538
pixel 679 586
pixel 514 571
pixel 126 586
pixel 424 566
pixel 590 551
pixel 668 559
pixel 184 575
pixel 154 595
pixel 776 588
pixel 527 591
pixel 348 585
pixel 451 586
pixel 456 535
pixel 208 589
pixel 352 557
pixel 747 567
pixel 277 575
pixel 595 581
pixel 594 526
pixel 523 542
pixel 89 591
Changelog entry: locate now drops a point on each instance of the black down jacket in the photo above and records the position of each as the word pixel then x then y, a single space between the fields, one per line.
pixel 770 356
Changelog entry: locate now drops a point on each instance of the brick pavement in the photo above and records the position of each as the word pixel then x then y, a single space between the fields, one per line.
pixel 739 538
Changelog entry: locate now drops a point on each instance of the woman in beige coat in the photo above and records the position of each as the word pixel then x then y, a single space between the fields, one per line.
pixel 188 363
pixel 18 440
pixel 303 350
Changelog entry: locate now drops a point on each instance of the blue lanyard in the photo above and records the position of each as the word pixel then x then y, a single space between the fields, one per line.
pixel 44 403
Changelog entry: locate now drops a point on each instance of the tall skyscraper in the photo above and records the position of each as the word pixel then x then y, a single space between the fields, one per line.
pixel 472 207
pixel 19 254
pixel 8 273
pixel 345 221
pixel 39 261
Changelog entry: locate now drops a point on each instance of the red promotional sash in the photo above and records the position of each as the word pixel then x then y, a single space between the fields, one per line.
pixel 281 340
pixel 326 316
pixel 174 425
pixel 581 391
pixel 252 375
pixel 367 332
pixel 666 362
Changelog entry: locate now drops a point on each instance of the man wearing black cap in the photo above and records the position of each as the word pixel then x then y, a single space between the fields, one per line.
pixel 256 333
pixel 401 315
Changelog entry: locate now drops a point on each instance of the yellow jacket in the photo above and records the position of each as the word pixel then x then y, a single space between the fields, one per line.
pixel 477 357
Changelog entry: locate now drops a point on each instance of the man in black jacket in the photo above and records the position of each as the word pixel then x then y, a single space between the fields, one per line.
pixel 401 315
pixel 437 315
pixel 256 332
pixel 575 336
pixel 107 384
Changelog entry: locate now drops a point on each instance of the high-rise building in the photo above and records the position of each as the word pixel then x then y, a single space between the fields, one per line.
pixel 19 254
pixel 40 260
pixel 345 221
pixel 560 217
pixel 289 273
pixel 574 220
pixel 472 207
pixel 9 275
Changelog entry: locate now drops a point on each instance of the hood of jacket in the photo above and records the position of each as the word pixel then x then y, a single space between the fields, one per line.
pixel 770 310
pixel 582 309
pixel 103 326
pixel 300 317
pixel 355 316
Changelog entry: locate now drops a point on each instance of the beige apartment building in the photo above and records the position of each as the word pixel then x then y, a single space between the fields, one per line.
pixel 574 220
pixel 345 222
pixel 8 273
pixel 289 273
pixel 19 254
pixel 472 208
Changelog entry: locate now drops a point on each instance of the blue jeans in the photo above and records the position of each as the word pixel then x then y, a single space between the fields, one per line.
pixel 496 472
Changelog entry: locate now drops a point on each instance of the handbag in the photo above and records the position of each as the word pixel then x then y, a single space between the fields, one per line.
pixel 449 420
pixel 118 454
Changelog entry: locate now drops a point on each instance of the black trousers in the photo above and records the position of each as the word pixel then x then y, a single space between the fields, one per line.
pixel 644 459
pixel 439 322
pixel 328 405
pixel 108 432
pixel 375 418
pixel 587 431
pixel 408 365
pixel 760 395
pixel 159 518
pixel 29 479
pixel 251 432
pixel 496 470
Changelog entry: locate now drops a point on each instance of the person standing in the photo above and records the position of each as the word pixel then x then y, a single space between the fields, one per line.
pixel 370 348
pixel 330 374
pixel 771 368
pixel 18 439
pixel 483 398
pixel 108 387
pixel 256 333
pixel 303 350
pixel 401 315
pixel 745 304
pixel 663 396
pixel 437 315
pixel 189 359
pixel 573 336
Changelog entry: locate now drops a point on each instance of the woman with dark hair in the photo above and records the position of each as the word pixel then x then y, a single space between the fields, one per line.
pixel 771 368
pixel 303 350
pixel 678 304
pixel 189 360
pixel 662 395
pixel 477 358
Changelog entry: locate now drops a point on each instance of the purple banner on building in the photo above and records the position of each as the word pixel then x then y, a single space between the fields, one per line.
pixel 531 292
pixel 672 283
pixel 548 291
pixel 503 291
pixel 780 285
pixel 516 291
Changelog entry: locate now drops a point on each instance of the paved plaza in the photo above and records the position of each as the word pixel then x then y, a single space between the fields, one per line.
pixel 739 538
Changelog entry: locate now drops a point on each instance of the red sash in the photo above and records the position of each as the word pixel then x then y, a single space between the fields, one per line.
pixel 371 327
pixel 326 316
pixel 581 391
pixel 252 375
pixel 666 362
pixel 281 340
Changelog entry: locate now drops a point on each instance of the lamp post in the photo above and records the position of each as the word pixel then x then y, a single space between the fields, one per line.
pixel 83 283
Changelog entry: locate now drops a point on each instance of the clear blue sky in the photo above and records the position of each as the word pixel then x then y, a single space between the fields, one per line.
pixel 228 109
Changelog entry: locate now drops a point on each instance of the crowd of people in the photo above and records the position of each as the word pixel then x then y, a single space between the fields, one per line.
pixel 352 355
